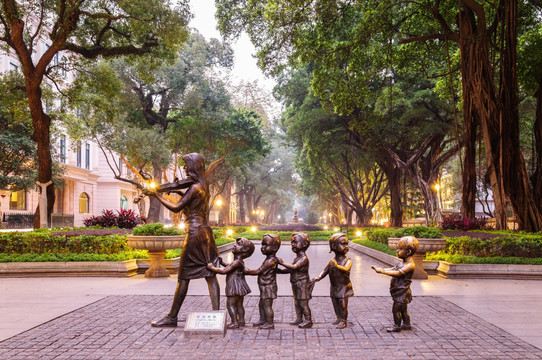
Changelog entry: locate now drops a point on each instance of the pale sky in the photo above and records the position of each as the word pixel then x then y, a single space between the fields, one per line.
pixel 245 64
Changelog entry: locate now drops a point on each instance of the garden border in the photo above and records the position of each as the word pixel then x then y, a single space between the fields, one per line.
pixel 88 268
pixel 461 271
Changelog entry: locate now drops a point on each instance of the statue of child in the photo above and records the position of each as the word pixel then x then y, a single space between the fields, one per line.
pixel 236 285
pixel 267 280
pixel 338 270
pixel 299 277
pixel 400 283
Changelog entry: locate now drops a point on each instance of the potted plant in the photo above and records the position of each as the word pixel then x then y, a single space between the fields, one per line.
pixel 429 240
pixel 156 239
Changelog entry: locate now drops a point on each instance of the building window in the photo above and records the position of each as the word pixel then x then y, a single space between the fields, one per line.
pixel 83 203
pixel 17 200
pixel 62 149
pixel 87 156
pixel 120 166
pixel 13 67
pixel 123 202
pixel 79 155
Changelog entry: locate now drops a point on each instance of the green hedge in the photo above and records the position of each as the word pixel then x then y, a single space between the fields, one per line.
pixel 523 246
pixel 469 259
pixel 42 246
pixel 40 242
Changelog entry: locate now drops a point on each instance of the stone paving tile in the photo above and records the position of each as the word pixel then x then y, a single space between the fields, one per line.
pixel 117 327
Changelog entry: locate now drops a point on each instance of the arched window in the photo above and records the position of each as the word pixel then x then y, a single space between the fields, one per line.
pixel 123 202
pixel 84 203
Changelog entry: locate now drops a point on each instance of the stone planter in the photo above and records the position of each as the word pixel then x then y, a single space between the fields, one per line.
pixel 424 246
pixel 156 246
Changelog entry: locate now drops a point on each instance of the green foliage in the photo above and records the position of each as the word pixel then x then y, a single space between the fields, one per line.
pixel 419 232
pixel 157 229
pixel 469 259
pixel 18 158
pixel 525 246
pixel 40 242
pixel 379 235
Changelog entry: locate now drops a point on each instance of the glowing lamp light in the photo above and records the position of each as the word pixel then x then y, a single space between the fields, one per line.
pixel 437 187
pixel 219 202
pixel 229 232
pixel 325 227
pixel 253 229
pixel 358 233
pixel 152 185
pixel 182 226
pixel 336 229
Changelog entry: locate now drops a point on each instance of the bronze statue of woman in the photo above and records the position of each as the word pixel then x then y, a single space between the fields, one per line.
pixel 199 247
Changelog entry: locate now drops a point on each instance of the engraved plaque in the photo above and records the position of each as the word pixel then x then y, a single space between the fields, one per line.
pixel 206 324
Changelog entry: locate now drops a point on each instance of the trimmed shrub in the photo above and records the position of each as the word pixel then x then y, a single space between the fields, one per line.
pixel 379 235
pixel 526 246
pixel 40 242
pixel 418 231
pixel 156 229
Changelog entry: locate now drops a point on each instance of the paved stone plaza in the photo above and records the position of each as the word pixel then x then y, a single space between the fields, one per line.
pixel 117 327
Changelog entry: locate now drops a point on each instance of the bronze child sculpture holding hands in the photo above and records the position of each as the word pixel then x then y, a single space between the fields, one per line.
pixel 267 280
pixel 236 285
pixel 400 283
pixel 299 277
pixel 338 270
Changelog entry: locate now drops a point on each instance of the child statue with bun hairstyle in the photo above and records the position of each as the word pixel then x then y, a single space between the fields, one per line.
pixel 236 285
pixel 400 283
pixel 338 269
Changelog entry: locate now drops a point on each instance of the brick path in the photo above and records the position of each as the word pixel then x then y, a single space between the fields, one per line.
pixel 117 327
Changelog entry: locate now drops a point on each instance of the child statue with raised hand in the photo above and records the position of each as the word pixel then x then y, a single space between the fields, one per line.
pixel 338 270
pixel 299 277
pixel 267 281
pixel 400 283
pixel 236 285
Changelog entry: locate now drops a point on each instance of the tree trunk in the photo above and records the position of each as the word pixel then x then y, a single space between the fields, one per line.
pixel 394 184
pixel 155 213
pixel 514 171
pixel 536 178
pixel 479 92
pixel 469 189
pixel 241 201
pixel 42 124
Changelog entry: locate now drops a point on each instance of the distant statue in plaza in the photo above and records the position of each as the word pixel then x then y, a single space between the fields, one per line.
pixel 295 219
pixel 400 283
pixel 236 285
pixel 299 277
pixel 199 247
pixel 267 280
pixel 338 270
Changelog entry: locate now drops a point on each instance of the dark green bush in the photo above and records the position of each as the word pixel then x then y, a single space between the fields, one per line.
pixel 525 246
pixel 156 229
pixel 379 235
pixel 418 231
pixel 41 242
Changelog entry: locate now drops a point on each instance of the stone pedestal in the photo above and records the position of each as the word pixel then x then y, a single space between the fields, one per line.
pixel 157 246
pixel 157 268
